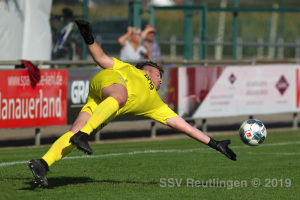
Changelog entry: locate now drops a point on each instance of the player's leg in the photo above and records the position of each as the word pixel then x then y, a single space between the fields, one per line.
pixel 115 97
pixel 60 148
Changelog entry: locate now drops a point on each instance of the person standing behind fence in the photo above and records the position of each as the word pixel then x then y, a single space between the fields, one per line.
pixel 150 43
pixel 132 50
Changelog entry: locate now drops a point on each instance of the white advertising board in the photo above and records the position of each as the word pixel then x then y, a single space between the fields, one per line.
pixel 247 90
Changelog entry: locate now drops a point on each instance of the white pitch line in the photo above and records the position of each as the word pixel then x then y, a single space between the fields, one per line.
pixel 167 151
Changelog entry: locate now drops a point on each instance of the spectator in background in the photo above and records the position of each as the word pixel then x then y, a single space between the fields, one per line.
pixel 148 41
pixel 132 49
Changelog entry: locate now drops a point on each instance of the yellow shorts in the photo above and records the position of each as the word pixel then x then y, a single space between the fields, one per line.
pixel 101 80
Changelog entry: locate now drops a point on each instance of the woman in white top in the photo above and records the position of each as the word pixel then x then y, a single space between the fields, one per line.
pixel 132 49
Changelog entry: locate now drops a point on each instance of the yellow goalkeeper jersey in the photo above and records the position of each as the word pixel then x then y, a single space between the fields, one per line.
pixel 143 99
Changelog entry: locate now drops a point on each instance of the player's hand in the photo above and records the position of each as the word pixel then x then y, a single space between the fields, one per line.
pixel 85 29
pixel 222 146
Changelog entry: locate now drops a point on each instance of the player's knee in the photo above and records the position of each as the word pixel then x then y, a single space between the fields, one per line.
pixel 121 100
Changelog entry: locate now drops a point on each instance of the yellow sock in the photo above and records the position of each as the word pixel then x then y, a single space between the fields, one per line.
pixel 104 112
pixel 60 148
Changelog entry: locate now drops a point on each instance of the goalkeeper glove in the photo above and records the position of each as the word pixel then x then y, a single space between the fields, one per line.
pixel 85 29
pixel 222 146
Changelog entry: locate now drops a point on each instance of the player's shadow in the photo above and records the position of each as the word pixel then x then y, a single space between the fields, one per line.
pixel 63 181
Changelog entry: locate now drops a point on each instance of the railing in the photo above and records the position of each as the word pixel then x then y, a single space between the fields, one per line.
pixel 180 62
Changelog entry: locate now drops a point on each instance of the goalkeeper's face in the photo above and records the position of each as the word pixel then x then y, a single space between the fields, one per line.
pixel 155 77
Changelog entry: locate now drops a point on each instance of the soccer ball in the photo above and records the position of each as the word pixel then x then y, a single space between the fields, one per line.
pixel 253 132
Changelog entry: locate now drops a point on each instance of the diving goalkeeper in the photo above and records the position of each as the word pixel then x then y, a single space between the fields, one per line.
pixel 119 89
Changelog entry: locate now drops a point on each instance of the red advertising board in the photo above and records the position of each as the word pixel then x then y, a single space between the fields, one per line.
pixel 23 106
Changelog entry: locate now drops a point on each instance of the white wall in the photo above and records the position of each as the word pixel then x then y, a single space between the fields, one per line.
pixel 25 31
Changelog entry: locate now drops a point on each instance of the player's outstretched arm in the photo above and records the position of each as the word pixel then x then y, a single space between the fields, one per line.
pixel 96 51
pixel 181 125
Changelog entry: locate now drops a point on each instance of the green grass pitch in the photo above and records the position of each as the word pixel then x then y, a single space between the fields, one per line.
pixel 161 169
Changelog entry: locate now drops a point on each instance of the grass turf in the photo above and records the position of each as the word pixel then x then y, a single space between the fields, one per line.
pixel 168 169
